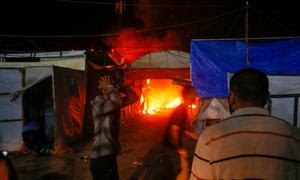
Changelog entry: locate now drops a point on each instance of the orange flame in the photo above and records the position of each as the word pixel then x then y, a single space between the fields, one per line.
pixel 174 103
pixel 193 106
pixel 159 95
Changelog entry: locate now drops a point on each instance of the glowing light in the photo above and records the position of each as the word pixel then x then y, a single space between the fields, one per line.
pixel 129 45
pixel 193 106
pixel 174 103
pixel 142 99
pixel 160 96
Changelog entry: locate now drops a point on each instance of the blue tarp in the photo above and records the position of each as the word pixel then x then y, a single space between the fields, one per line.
pixel 211 60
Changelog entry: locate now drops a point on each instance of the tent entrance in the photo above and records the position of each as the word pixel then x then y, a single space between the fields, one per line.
pixel 38 107
pixel 157 96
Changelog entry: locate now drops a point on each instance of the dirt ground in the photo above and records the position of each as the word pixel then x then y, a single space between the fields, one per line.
pixel 142 156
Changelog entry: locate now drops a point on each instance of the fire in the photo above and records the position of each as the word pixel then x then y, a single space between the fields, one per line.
pixel 159 95
pixel 174 103
pixel 193 106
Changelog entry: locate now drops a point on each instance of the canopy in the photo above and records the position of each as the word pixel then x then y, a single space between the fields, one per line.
pixel 169 59
pixel 212 60
pixel 54 54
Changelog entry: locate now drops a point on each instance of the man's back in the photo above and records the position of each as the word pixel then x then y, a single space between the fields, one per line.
pixel 249 144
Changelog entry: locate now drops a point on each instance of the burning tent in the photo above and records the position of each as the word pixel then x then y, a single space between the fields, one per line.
pixel 152 77
pixel 213 62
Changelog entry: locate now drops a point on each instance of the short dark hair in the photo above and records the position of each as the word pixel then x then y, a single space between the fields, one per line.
pixel 251 85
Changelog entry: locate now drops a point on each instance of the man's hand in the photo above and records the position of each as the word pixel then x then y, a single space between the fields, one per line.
pixel 104 82
pixel 192 135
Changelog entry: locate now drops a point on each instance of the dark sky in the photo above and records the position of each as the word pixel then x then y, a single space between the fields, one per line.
pixel 203 18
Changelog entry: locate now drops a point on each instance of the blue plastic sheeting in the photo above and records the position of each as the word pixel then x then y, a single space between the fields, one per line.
pixel 211 60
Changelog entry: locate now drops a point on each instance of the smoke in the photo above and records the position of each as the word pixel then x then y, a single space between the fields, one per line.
pixel 131 43
pixel 146 15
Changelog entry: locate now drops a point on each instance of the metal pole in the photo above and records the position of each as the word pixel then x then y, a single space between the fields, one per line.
pixel 296 111
pixel 246 33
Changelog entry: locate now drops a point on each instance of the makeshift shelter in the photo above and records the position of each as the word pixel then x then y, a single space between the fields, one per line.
pixel 64 88
pixel 166 64
pixel 66 77
pixel 34 91
pixel 213 61
pixel 68 59
pixel 152 77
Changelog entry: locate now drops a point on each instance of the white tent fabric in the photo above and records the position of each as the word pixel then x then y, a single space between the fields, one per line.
pixel 67 59
pixel 214 110
pixel 279 85
pixel 54 54
pixel 10 112
pixel 283 107
pixel 211 109
pixel 169 59
pixel 284 84
pixel 33 74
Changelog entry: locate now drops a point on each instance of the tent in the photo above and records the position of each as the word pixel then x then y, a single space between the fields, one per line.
pixel 64 87
pixel 214 61
pixel 26 87
pixel 68 59
pixel 65 76
pixel 165 64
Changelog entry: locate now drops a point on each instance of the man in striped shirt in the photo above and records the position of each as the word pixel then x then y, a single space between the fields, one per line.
pixel 106 116
pixel 250 144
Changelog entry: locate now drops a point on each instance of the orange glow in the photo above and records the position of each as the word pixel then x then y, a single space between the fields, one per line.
pixel 174 103
pixel 159 95
pixel 129 45
pixel 72 121
pixel 193 106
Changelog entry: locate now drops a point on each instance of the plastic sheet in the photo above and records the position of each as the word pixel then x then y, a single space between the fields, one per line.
pixel 211 60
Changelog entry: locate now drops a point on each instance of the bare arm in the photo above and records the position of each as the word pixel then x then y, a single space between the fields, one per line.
pixel 192 135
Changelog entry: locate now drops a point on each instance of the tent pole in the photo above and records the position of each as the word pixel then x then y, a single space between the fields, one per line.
pixel 296 103
pixel 246 33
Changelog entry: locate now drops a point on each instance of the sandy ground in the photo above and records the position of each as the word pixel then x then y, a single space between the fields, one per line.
pixel 142 156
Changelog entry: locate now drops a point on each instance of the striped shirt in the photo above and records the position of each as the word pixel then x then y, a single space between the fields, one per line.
pixel 106 116
pixel 249 144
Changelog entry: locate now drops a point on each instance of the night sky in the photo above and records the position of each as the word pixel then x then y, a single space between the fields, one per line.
pixel 188 19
